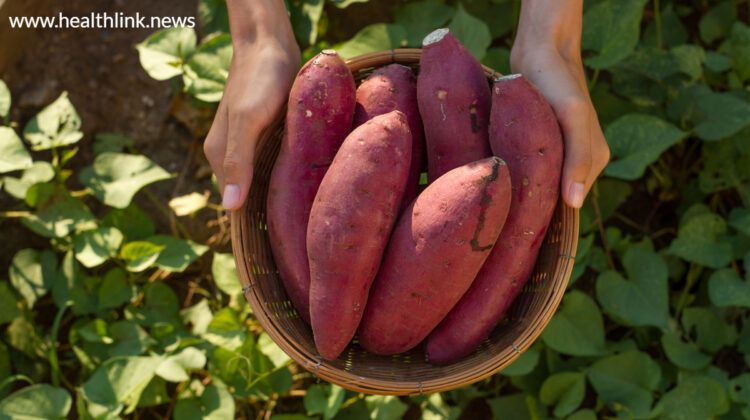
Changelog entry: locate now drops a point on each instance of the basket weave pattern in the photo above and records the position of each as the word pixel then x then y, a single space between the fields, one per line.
pixel 408 373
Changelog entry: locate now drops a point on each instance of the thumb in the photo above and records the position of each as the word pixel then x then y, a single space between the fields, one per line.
pixel 239 159
pixel 574 121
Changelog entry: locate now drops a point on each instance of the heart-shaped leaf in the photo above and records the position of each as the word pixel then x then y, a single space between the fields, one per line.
pixel 611 28
pixel 626 382
pixel 42 401
pixel 565 391
pixel 94 247
pixel 13 155
pixel 115 178
pixel 643 299
pixel 55 126
pixel 33 273
pixel 207 70
pixel 700 240
pixel 726 288
pixel 164 52
pixel 578 328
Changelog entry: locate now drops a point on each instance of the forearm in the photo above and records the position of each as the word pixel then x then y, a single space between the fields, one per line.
pixel 555 24
pixel 256 21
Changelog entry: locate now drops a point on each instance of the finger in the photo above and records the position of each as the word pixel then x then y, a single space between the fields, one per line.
pixel 214 147
pixel 600 153
pixel 574 117
pixel 239 157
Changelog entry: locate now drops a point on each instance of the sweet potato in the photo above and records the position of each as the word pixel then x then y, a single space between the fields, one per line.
pixel 389 88
pixel 525 133
pixel 350 222
pixel 454 100
pixel 435 252
pixel 319 116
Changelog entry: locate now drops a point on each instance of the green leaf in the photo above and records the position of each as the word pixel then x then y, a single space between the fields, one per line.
pixel 207 70
pixel 689 59
pixel 578 328
pixel 636 141
pixel 700 240
pixel 174 367
pixel 225 274
pixel 514 407
pixel 720 115
pixel 199 316
pixel 716 22
pixel 565 391
pixel 189 204
pixel 726 288
pixel 422 17
pixel 626 382
pixel 71 285
pixel 131 221
pixel 643 299
pixel 160 306
pixel 61 219
pixel 36 173
pixel 585 414
pixel 739 218
pixel 695 397
pixel 140 255
pixel 33 273
pixel 525 363
pixel 652 63
pixel 22 335
pixel 129 339
pixel 13 155
pixel 498 59
pixel 726 164
pixel 176 254
pixel 40 401
pixel 682 354
pixel 611 28
pixel 154 394
pixel 270 349
pixel 305 16
pixel 114 290
pixel 739 389
pixel 111 142
pixel 711 332
pixel 325 400
pixel 55 126
pixel 672 29
pixel 376 37
pixel 164 52
pixel 739 50
pixel 4 100
pixel 8 304
pixel 385 407
pixel 94 247
pixel 118 383
pixel 114 178
pixel 226 330
pixel 215 403
pixel 213 16
pixel 472 32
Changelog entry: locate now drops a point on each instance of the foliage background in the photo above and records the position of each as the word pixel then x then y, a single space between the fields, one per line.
pixel 103 319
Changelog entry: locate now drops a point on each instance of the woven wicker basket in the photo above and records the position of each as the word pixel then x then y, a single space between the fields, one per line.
pixel 404 374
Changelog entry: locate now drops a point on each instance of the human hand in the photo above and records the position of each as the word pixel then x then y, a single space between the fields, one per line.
pixel 260 76
pixel 547 51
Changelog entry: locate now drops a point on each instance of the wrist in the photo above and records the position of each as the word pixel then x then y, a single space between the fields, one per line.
pixel 550 25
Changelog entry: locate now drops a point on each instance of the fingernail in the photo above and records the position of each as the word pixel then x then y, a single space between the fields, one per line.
pixel 231 198
pixel 575 194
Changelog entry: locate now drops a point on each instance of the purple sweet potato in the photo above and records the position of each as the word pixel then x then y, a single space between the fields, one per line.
pixel 525 133
pixel 389 88
pixel 435 252
pixel 319 116
pixel 454 100
pixel 350 223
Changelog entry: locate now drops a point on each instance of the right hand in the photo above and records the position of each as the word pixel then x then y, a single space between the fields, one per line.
pixel 260 77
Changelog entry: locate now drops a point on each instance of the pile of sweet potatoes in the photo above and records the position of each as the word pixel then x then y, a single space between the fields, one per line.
pixel 363 249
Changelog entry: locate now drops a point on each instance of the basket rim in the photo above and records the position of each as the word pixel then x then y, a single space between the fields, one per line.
pixel 319 367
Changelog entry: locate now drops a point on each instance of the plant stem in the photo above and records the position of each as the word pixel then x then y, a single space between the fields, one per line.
pixel 15 378
pixel 53 361
pixel 15 214
pixel 657 20
pixel 81 193
pixel 692 276
pixel 600 225
pixel 594 79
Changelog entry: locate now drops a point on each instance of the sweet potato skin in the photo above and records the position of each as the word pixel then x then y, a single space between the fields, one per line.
pixel 389 88
pixel 350 223
pixel 525 133
pixel 435 252
pixel 454 100
pixel 319 116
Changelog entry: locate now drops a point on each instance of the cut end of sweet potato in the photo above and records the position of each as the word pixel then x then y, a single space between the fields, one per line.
pixel 329 52
pixel 435 36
